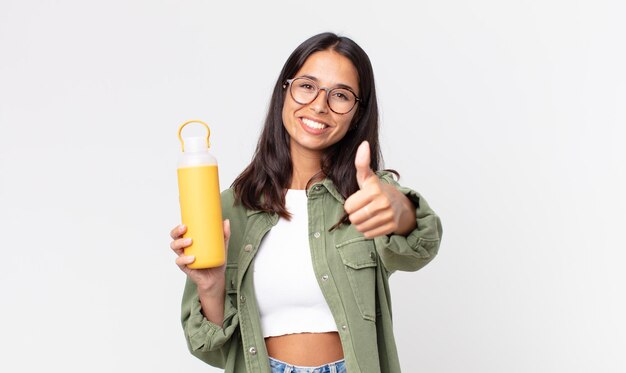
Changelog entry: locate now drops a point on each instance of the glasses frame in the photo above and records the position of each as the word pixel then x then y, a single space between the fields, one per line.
pixel 328 90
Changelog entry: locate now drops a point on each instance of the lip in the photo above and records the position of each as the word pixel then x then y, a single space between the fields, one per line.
pixel 311 130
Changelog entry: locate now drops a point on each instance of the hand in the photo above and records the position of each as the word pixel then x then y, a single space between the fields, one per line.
pixel 377 208
pixel 209 280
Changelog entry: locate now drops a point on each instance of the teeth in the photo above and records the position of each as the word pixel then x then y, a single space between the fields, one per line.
pixel 313 124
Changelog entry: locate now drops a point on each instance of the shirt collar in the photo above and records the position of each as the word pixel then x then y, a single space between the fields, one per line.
pixel 330 187
pixel 315 188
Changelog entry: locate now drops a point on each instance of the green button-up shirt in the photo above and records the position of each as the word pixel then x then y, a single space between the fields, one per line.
pixel 352 272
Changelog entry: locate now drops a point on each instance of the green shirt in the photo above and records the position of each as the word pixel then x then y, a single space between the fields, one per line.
pixel 352 272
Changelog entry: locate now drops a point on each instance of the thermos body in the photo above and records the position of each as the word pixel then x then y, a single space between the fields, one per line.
pixel 200 203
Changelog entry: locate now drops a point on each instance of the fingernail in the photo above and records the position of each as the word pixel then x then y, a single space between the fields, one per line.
pixel 181 227
pixel 187 241
pixel 191 259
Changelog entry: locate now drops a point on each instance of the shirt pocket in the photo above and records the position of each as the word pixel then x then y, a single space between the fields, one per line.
pixel 359 258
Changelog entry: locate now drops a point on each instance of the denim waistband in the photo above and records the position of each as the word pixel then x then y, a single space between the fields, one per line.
pixel 282 367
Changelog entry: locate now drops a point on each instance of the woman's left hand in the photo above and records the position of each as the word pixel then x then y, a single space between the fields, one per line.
pixel 377 208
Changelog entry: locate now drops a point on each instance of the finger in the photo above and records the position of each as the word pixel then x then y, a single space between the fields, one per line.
pixel 384 218
pixel 180 244
pixel 178 231
pixel 362 162
pixel 366 213
pixel 226 230
pixel 380 231
pixel 226 239
pixel 182 261
pixel 357 201
pixel 367 206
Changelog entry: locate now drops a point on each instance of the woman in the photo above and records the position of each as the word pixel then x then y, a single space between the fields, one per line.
pixel 313 231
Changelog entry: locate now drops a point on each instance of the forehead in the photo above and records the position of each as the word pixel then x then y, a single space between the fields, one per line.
pixel 330 68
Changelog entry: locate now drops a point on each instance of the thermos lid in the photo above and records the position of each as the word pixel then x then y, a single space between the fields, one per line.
pixel 195 143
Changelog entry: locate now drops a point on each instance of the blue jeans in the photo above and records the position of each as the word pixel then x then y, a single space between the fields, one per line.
pixel 282 367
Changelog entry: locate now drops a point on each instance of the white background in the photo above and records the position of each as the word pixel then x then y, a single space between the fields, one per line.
pixel 508 116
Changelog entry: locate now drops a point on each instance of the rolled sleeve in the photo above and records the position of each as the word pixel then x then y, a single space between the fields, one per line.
pixel 205 339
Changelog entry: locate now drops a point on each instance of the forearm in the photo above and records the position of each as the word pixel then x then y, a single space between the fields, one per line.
pixel 212 302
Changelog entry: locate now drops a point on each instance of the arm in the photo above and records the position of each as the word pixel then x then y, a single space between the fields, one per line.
pixel 207 340
pixel 416 248
pixel 208 316
pixel 405 230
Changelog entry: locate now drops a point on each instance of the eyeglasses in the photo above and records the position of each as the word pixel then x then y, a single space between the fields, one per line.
pixel 304 91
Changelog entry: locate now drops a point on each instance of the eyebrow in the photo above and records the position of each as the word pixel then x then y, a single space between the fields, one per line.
pixel 340 85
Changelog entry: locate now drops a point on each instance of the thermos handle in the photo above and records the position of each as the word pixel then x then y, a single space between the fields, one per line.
pixel 180 130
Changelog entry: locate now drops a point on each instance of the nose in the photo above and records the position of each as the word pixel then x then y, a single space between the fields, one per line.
pixel 320 104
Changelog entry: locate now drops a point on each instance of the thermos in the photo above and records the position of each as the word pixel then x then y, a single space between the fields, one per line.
pixel 200 205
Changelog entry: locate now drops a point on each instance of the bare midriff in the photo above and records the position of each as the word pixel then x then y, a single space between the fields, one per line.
pixel 305 349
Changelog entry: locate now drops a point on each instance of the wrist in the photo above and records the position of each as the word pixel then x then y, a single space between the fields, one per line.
pixel 213 290
pixel 408 219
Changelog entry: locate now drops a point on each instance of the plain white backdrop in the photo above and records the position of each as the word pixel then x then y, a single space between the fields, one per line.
pixel 508 116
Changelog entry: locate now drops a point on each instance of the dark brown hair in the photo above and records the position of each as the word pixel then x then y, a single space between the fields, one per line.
pixel 262 185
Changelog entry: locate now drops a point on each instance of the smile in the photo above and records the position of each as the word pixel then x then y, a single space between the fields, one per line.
pixel 313 124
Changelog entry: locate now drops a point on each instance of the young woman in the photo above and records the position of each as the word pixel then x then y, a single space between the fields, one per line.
pixel 313 231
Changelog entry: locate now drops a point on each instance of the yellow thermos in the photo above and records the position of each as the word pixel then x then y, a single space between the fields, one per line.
pixel 200 205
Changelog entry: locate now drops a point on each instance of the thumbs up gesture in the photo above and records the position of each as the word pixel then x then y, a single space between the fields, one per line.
pixel 377 208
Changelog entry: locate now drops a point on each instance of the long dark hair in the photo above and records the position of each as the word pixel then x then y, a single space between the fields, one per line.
pixel 262 185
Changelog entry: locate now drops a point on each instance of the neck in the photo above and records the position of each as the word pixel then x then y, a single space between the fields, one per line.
pixel 305 165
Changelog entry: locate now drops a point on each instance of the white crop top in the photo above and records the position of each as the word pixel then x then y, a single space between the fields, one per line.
pixel 288 295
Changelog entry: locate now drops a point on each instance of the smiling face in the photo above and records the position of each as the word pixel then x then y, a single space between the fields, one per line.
pixel 314 127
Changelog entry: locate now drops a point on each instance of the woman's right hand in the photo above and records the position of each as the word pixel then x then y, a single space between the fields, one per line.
pixel 210 280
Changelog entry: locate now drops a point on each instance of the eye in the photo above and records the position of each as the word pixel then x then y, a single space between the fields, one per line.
pixel 306 85
pixel 341 95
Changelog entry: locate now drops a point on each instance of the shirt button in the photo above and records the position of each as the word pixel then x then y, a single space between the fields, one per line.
pixel 248 248
pixel 242 299
pixel 324 277
pixel 344 327
pixel 316 234
pixel 372 255
pixel 252 351
pixel 317 187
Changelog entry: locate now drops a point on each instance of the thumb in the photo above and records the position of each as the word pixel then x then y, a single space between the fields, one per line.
pixel 226 238
pixel 226 225
pixel 362 163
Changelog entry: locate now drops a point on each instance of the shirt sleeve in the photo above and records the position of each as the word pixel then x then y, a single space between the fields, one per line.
pixel 207 341
pixel 418 248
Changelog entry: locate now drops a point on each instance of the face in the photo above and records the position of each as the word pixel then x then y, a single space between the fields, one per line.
pixel 314 127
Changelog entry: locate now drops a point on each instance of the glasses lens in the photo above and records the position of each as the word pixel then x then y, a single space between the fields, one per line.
pixel 341 100
pixel 303 90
